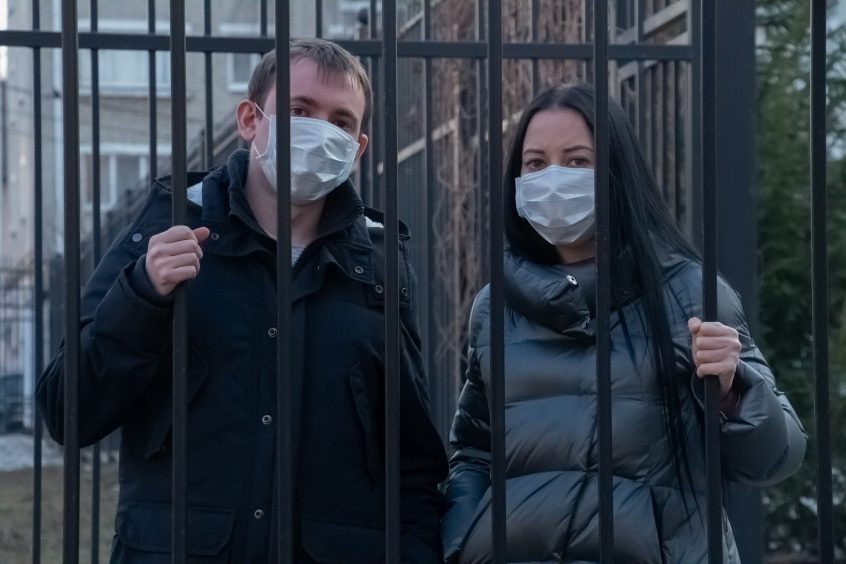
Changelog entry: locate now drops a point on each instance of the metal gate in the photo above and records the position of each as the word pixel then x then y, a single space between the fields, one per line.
pixel 687 72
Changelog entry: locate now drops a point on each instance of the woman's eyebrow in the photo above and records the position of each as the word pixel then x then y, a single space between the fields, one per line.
pixel 532 150
pixel 578 148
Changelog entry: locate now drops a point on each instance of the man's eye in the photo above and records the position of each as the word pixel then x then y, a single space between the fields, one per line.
pixel 345 125
pixel 298 112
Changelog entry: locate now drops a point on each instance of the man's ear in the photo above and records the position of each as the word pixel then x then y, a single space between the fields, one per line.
pixel 362 144
pixel 245 119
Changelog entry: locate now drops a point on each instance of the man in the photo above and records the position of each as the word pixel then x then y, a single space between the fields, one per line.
pixel 228 251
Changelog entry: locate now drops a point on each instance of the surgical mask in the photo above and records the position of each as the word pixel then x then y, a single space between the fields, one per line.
pixel 322 157
pixel 559 203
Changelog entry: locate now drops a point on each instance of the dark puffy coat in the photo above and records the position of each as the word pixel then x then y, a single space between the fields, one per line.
pixel 551 431
pixel 338 343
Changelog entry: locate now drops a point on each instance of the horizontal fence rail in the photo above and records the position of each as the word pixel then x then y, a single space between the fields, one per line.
pixel 677 75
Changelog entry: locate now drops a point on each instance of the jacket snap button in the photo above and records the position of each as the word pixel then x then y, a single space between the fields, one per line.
pixel 136 237
pixel 379 289
pixel 572 280
pixel 272 332
pixel 259 514
pixel 266 419
pixel 359 270
pixel 215 236
pixel 405 292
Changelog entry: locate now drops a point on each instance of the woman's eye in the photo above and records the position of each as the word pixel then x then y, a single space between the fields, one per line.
pixel 534 164
pixel 578 162
pixel 298 112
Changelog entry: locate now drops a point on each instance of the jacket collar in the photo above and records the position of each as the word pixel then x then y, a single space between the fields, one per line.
pixel 549 294
pixel 236 232
pixel 544 293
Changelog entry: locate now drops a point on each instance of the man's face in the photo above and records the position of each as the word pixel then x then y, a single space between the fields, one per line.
pixel 335 98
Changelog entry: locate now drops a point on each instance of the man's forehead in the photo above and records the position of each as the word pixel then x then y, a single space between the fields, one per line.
pixel 337 86
pixel 334 78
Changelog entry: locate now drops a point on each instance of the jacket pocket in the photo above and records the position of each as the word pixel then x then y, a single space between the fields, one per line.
pixel 146 527
pixel 154 427
pixel 364 403
pixel 337 542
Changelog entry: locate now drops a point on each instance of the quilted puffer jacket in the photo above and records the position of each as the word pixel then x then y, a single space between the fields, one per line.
pixel 551 439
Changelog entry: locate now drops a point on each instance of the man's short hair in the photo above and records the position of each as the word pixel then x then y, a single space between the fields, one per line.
pixel 330 59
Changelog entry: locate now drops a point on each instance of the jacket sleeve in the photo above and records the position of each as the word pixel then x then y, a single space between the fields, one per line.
pixel 423 462
pixel 469 467
pixel 123 332
pixel 762 441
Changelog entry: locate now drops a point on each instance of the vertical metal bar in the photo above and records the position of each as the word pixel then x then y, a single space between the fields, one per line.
pixel 654 117
pixel 70 119
pixel 497 249
pixel 681 154
pixel 38 314
pixel 284 389
pixel 482 128
pixel 534 32
pixel 819 281
pixel 95 209
pixel 603 281
pixel 661 70
pixel 318 18
pixel 589 9
pixel 693 220
pixel 372 20
pixel 153 100
pixel 263 18
pixel 431 199
pixel 180 305
pixel 665 126
pixel 375 193
pixel 392 326
pixel 708 84
pixel 207 30
pixel 640 12
pixel 368 160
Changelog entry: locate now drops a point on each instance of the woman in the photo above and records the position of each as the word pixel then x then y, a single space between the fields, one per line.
pixel 660 353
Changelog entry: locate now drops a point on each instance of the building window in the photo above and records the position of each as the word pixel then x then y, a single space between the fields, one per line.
pixel 239 66
pixel 122 168
pixel 126 72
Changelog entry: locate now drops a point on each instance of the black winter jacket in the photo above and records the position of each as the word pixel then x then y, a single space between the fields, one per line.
pixel 551 432
pixel 337 376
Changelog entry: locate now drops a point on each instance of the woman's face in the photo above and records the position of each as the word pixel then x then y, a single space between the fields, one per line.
pixel 560 137
pixel 557 136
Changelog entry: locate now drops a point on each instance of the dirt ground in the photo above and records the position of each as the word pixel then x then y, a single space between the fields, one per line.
pixel 16 493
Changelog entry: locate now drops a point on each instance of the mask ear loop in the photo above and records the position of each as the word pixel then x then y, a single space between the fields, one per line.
pixel 252 147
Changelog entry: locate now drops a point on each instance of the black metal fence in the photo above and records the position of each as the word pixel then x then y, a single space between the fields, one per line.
pixel 667 77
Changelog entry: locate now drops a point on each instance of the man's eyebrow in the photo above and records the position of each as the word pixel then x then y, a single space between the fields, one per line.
pixel 304 99
pixel 345 112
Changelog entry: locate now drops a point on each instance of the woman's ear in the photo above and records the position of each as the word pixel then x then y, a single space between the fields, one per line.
pixel 245 119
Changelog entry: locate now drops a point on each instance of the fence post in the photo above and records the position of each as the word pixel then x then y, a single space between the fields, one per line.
pixel 70 119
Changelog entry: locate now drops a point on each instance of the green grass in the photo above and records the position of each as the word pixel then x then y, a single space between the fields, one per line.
pixel 16 509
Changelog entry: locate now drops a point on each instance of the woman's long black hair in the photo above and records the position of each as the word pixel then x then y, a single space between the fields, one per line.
pixel 642 230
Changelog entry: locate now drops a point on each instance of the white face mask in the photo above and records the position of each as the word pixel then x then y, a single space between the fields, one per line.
pixel 322 156
pixel 559 203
